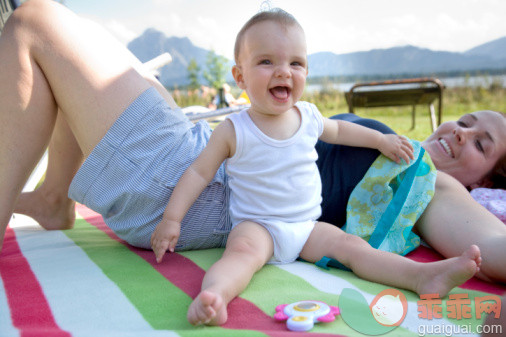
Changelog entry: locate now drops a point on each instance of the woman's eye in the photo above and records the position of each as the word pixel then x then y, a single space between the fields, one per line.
pixel 479 146
pixel 462 124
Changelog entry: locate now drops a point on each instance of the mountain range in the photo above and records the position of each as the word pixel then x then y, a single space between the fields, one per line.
pixel 394 62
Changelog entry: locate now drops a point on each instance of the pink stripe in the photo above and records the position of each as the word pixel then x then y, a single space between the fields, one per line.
pixel 425 254
pixel 187 276
pixel 30 310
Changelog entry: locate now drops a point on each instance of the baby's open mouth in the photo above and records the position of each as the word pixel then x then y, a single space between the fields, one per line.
pixel 280 92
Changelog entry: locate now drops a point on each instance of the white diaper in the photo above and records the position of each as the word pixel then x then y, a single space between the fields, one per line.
pixel 288 238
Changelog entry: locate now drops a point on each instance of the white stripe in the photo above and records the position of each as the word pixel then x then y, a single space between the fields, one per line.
pixel 321 280
pixel 83 300
pixel 332 284
pixel 7 329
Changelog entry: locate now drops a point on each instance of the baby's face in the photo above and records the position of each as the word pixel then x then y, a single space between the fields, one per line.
pixel 272 66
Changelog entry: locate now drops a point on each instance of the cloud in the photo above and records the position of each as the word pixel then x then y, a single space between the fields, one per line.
pixel 331 25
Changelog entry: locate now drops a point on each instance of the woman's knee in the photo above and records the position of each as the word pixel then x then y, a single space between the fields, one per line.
pixel 36 19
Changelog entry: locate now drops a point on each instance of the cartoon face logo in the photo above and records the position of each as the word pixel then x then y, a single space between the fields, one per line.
pixel 389 307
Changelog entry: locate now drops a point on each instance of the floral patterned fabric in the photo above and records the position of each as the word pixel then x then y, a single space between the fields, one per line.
pixel 492 199
pixel 387 202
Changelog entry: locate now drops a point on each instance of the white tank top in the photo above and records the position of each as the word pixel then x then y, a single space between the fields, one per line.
pixel 275 179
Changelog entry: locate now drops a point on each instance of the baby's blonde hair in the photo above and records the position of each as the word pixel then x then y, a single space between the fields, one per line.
pixel 275 14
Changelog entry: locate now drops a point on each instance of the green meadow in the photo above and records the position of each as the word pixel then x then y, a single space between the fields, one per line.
pixel 456 102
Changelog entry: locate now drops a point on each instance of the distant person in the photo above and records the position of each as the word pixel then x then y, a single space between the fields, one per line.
pixel 223 98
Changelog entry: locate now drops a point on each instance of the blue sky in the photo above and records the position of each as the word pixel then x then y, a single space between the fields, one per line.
pixel 339 26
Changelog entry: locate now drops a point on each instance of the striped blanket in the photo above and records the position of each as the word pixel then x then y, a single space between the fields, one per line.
pixel 87 282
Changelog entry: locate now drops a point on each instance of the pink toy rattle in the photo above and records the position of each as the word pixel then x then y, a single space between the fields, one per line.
pixel 301 316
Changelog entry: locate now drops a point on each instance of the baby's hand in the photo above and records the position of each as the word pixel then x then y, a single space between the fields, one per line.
pixel 165 238
pixel 396 148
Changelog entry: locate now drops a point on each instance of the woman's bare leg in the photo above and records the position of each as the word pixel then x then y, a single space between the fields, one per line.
pixel 50 58
pixel 453 221
pixel 49 205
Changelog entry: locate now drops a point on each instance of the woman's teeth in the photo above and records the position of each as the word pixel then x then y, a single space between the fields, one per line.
pixel 446 147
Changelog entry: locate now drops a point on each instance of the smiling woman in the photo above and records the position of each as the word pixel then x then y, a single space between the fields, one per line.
pixel 470 148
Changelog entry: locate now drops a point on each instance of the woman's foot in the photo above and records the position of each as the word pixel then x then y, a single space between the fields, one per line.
pixel 442 276
pixel 207 308
pixel 51 211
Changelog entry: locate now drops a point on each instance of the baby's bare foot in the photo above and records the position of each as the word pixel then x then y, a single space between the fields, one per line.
pixel 442 276
pixel 207 308
pixel 50 211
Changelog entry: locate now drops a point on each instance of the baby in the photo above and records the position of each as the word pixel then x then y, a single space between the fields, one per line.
pixel 275 185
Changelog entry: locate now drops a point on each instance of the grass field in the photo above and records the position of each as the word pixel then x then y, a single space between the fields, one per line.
pixel 456 102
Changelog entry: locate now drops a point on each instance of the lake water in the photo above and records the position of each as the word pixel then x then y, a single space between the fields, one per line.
pixel 449 82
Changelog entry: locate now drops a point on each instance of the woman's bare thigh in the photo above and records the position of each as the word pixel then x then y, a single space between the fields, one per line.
pixel 91 75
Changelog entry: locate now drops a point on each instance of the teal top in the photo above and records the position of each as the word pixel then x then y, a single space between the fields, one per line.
pixel 385 205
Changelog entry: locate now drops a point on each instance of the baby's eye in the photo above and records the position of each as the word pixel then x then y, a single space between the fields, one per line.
pixel 265 62
pixel 297 64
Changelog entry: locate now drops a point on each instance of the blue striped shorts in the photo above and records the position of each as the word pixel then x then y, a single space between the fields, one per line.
pixel 131 173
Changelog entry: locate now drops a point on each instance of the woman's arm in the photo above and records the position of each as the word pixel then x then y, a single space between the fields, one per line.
pixel 453 221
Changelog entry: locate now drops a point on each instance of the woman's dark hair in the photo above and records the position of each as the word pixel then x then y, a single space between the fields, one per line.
pixel 498 174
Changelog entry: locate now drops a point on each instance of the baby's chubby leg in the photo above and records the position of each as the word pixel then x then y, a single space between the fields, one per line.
pixel 388 268
pixel 249 247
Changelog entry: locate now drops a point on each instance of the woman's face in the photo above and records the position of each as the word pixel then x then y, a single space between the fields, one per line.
pixel 468 149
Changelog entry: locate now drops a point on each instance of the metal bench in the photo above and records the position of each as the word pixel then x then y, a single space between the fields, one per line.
pixel 404 92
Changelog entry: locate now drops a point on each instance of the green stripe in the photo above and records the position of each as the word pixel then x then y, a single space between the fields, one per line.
pixel 204 258
pixel 272 286
pixel 160 302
